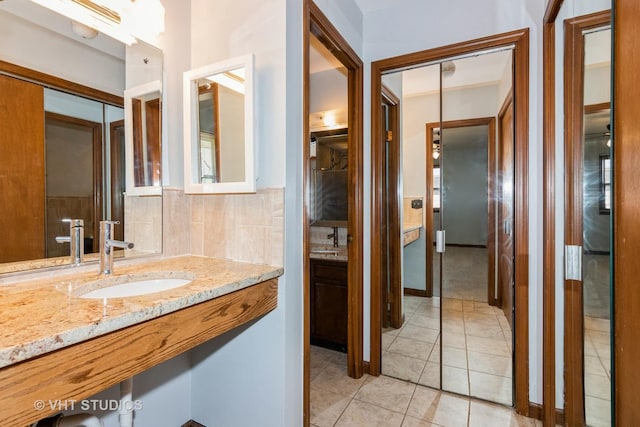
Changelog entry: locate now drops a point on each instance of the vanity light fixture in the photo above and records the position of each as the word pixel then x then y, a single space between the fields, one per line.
pixel 123 20
pixel 608 134
pixel 436 149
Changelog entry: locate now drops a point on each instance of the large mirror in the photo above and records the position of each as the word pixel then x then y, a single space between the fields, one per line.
pixel 329 178
pixel 63 144
pixel 218 130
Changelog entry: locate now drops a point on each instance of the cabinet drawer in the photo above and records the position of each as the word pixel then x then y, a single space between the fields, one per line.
pixel 330 270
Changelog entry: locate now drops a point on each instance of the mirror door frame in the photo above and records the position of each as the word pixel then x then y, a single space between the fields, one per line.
pixel 519 39
pixel 314 21
pixel 574 110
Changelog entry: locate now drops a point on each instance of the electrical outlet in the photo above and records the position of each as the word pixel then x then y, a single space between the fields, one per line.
pixel 416 204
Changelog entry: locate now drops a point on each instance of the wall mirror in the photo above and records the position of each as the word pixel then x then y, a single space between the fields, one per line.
pixel 329 178
pixel 218 127
pixel 68 88
pixel 143 136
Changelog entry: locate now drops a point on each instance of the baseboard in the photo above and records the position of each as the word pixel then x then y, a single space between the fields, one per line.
pixel 415 292
pixel 192 423
pixel 536 411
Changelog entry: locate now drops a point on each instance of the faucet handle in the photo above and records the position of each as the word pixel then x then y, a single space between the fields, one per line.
pixel 74 222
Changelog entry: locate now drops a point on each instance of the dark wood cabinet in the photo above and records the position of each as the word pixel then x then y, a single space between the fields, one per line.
pixel 329 306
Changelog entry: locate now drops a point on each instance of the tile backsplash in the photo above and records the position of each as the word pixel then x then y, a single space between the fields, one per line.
pixel 239 227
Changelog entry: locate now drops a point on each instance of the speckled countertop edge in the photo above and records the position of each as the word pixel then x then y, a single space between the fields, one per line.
pixel 57 319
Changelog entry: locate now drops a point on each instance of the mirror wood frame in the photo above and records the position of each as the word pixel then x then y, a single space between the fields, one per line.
pixel 519 39
pixel 573 412
pixel 191 138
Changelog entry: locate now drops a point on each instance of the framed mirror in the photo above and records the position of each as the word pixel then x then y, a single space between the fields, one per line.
pixel 329 178
pixel 68 159
pixel 143 136
pixel 218 127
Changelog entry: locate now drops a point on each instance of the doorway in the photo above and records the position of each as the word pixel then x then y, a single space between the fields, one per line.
pixel 518 41
pixel 342 280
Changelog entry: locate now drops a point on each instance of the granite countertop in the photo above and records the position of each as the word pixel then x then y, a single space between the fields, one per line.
pixel 329 252
pixel 42 315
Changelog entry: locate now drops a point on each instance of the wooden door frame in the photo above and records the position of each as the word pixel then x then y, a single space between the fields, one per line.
pixel 393 200
pixel 490 122
pixel 116 146
pixel 519 39
pixel 574 110
pixel 314 21
pixel 96 129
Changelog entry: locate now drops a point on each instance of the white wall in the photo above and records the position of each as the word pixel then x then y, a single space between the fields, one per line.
pixel 447 25
pixel 31 46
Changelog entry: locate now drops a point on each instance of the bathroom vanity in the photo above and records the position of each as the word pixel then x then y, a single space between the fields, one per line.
pixel 54 344
pixel 329 298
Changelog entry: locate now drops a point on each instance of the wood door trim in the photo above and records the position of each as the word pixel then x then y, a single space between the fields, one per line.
pixel 54 82
pixel 549 211
pixel 573 152
pixel 395 231
pixel 96 129
pixel 520 40
pixel 626 158
pixel 116 147
pixel 314 21
pixel 490 122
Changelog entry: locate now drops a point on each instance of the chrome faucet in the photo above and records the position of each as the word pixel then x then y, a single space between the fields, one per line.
pixel 107 244
pixel 75 240
pixel 334 236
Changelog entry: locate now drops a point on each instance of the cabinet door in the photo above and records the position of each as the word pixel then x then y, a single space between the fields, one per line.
pixel 329 307
pixel 22 189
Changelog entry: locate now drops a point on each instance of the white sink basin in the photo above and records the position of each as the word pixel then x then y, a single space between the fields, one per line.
pixel 136 288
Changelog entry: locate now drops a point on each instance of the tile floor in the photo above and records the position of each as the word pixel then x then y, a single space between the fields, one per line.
pixel 597 375
pixel 476 348
pixel 337 400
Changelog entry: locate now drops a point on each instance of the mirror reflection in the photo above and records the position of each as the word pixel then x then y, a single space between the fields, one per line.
pixel 458 304
pixel 329 178
pixel 596 227
pixel 147 136
pixel 221 126
pixel 218 131
pixel 63 144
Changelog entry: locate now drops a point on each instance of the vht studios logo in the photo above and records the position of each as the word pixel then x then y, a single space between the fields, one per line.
pixel 88 405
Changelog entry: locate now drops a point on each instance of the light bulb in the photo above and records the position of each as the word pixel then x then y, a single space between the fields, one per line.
pixel 436 154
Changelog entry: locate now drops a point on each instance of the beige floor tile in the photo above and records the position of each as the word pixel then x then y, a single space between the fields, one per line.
pixel 485 331
pixel 412 348
pixel 430 375
pixel 435 354
pixel 593 366
pixel 366 415
pixel 451 339
pixel 596 324
pixel 326 407
pixel 388 393
pixel 490 364
pixel 390 331
pixel 589 349
pixel 455 357
pixel 451 304
pixel 488 345
pixel 386 340
pixel 488 319
pixel 602 349
pixel 402 367
pixel 600 337
pixel 455 380
pixel 597 386
pixel 414 422
pixel 424 321
pixel 483 414
pixel 439 408
pixel 597 412
pixel 429 311
pixel 491 387
pixel 417 333
pixel 336 379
